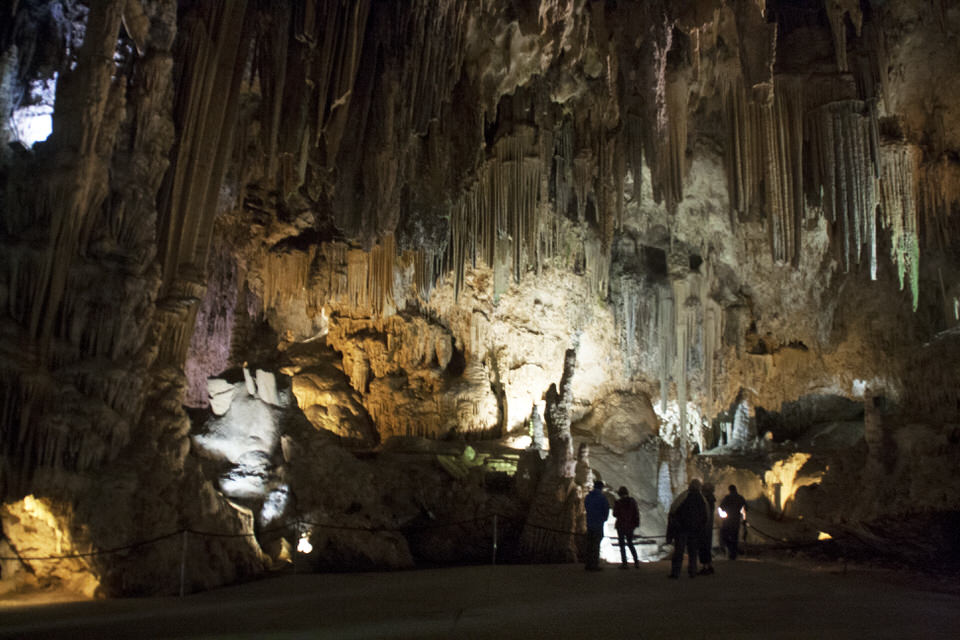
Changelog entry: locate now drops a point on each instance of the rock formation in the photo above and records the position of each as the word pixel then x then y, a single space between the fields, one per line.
pixel 403 212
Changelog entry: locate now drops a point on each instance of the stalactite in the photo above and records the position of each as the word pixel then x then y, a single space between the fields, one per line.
pixel 628 312
pixel 610 188
pixel 743 150
pixel 666 325
pixel 206 113
pixel 424 271
pixel 672 144
pixel 336 71
pixel 597 259
pixel 563 167
pixel 841 140
pixel 175 318
pixel 498 219
pixel 785 170
pixel 837 10
pixel 633 142
pixel 285 276
pixel 870 67
pixel 380 274
pixel 899 205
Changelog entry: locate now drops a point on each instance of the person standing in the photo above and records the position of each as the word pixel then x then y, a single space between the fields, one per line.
pixel 627 514
pixel 597 508
pixel 685 526
pixel 732 508
pixel 706 548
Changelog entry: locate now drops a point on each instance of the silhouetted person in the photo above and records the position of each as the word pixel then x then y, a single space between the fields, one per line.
pixel 732 508
pixel 706 546
pixel 685 526
pixel 597 508
pixel 627 513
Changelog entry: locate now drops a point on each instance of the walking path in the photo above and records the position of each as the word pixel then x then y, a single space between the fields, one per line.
pixel 744 599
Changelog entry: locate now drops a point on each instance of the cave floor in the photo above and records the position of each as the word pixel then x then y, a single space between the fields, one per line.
pixel 748 598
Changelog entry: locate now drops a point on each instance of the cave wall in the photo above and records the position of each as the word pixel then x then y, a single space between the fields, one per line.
pixel 715 202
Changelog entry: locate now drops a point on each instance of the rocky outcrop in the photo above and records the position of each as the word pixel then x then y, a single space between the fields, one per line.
pixel 621 421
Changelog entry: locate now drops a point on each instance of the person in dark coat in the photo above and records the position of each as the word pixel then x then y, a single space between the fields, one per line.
pixel 597 508
pixel 732 508
pixel 706 547
pixel 627 513
pixel 685 528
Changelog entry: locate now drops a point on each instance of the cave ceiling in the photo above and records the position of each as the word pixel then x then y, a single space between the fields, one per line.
pixel 712 201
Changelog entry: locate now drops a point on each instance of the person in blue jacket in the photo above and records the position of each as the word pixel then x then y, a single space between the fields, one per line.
pixel 598 508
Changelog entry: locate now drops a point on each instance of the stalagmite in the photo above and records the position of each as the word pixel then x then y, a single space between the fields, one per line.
pixel 552 523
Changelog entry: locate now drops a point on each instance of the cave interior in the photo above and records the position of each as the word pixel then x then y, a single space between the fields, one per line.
pixel 341 283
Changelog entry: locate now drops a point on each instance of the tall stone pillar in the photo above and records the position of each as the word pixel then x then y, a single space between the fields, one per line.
pixel 556 512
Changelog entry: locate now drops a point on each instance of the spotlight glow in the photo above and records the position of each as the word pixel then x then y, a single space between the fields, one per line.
pixel 303 545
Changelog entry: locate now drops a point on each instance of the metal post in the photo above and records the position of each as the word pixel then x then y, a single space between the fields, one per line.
pixel 494 539
pixel 183 565
pixel 296 546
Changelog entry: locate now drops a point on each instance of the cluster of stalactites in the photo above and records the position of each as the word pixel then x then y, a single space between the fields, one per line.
pixel 671 158
pixel 507 221
pixel 764 159
pixel 285 276
pixel 899 164
pixel 679 328
pixel 307 55
pixel 838 11
pixel 844 147
pixel 206 113
pixel 332 273
pixel 497 222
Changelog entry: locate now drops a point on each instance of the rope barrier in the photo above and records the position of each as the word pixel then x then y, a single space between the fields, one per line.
pixel 100 552
pixel 298 523
pixel 292 524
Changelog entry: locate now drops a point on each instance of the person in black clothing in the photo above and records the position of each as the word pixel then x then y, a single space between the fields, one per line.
pixel 732 508
pixel 706 547
pixel 685 528
pixel 627 513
